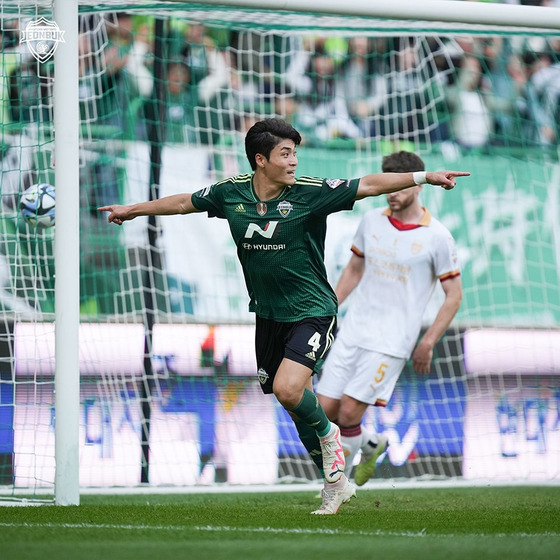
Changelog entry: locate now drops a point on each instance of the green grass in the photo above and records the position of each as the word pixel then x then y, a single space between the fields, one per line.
pixel 464 523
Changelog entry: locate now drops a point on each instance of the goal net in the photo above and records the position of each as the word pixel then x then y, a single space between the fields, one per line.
pixel 167 90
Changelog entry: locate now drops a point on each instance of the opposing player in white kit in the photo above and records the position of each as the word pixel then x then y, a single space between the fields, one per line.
pixel 399 255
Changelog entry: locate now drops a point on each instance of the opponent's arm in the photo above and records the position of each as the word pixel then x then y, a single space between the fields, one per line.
pixel 423 353
pixel 384 183
pixel 350 277
pixel 166 206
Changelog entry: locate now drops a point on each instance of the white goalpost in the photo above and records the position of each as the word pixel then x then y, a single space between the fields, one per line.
pixel 67 262
pixel 129 351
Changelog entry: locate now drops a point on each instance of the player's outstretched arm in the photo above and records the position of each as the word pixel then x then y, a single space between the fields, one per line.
pixel 166 206
pixel 384 183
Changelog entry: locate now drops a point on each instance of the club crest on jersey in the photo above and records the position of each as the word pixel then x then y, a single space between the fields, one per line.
pixel 261 208
pixel 284 208
pixel 262 376
pixel 333 183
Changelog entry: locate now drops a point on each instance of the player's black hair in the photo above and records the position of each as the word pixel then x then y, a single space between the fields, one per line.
pixel 264 135
pixel 402 162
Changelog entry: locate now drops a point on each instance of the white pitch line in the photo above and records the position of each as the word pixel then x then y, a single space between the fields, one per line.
pixel 273 530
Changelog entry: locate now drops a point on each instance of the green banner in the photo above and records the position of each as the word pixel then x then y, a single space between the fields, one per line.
pixel 505 218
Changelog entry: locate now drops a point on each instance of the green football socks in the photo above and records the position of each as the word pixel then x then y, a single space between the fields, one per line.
pixel 308 436
pixel 311 413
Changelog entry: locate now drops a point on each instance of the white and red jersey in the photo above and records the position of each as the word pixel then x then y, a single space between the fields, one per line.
pixel 403 263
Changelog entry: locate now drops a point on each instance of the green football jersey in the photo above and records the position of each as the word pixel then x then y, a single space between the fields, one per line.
pixel 281 242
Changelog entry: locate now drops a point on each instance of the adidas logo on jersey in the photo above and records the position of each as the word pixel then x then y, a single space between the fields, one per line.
pixel 240 208
pixel 311 356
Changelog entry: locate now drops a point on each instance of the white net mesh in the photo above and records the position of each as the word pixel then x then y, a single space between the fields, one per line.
pixel 479 97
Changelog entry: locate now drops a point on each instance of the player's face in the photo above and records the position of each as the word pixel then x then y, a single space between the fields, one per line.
pixel 281 166
pixel 401 200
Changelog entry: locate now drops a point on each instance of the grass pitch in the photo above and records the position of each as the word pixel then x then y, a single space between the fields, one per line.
pixel 443 523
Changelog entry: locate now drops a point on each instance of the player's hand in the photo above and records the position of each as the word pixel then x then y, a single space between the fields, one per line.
pixel 422 358
pixel 446 179
pixel 117 213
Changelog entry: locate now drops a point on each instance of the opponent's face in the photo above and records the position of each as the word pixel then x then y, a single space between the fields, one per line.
pixel 280 167
pixel 401 200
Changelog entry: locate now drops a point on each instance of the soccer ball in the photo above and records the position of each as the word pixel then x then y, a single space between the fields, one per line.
pixel 37 205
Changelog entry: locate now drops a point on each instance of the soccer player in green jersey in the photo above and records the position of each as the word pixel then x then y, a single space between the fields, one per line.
pixel 278 223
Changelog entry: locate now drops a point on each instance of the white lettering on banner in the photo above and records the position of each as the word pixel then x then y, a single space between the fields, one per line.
pixel 267 232
pixel 505 221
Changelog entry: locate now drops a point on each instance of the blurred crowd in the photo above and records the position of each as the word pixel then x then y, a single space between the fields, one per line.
pixel 473 91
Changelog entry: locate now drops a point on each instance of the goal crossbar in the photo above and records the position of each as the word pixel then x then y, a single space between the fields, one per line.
pixel 450 11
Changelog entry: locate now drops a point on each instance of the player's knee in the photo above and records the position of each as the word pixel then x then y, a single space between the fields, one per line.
pixel 349 415
pixel 287 395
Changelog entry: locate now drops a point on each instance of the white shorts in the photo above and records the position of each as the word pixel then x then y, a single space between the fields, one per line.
pixel 367 376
